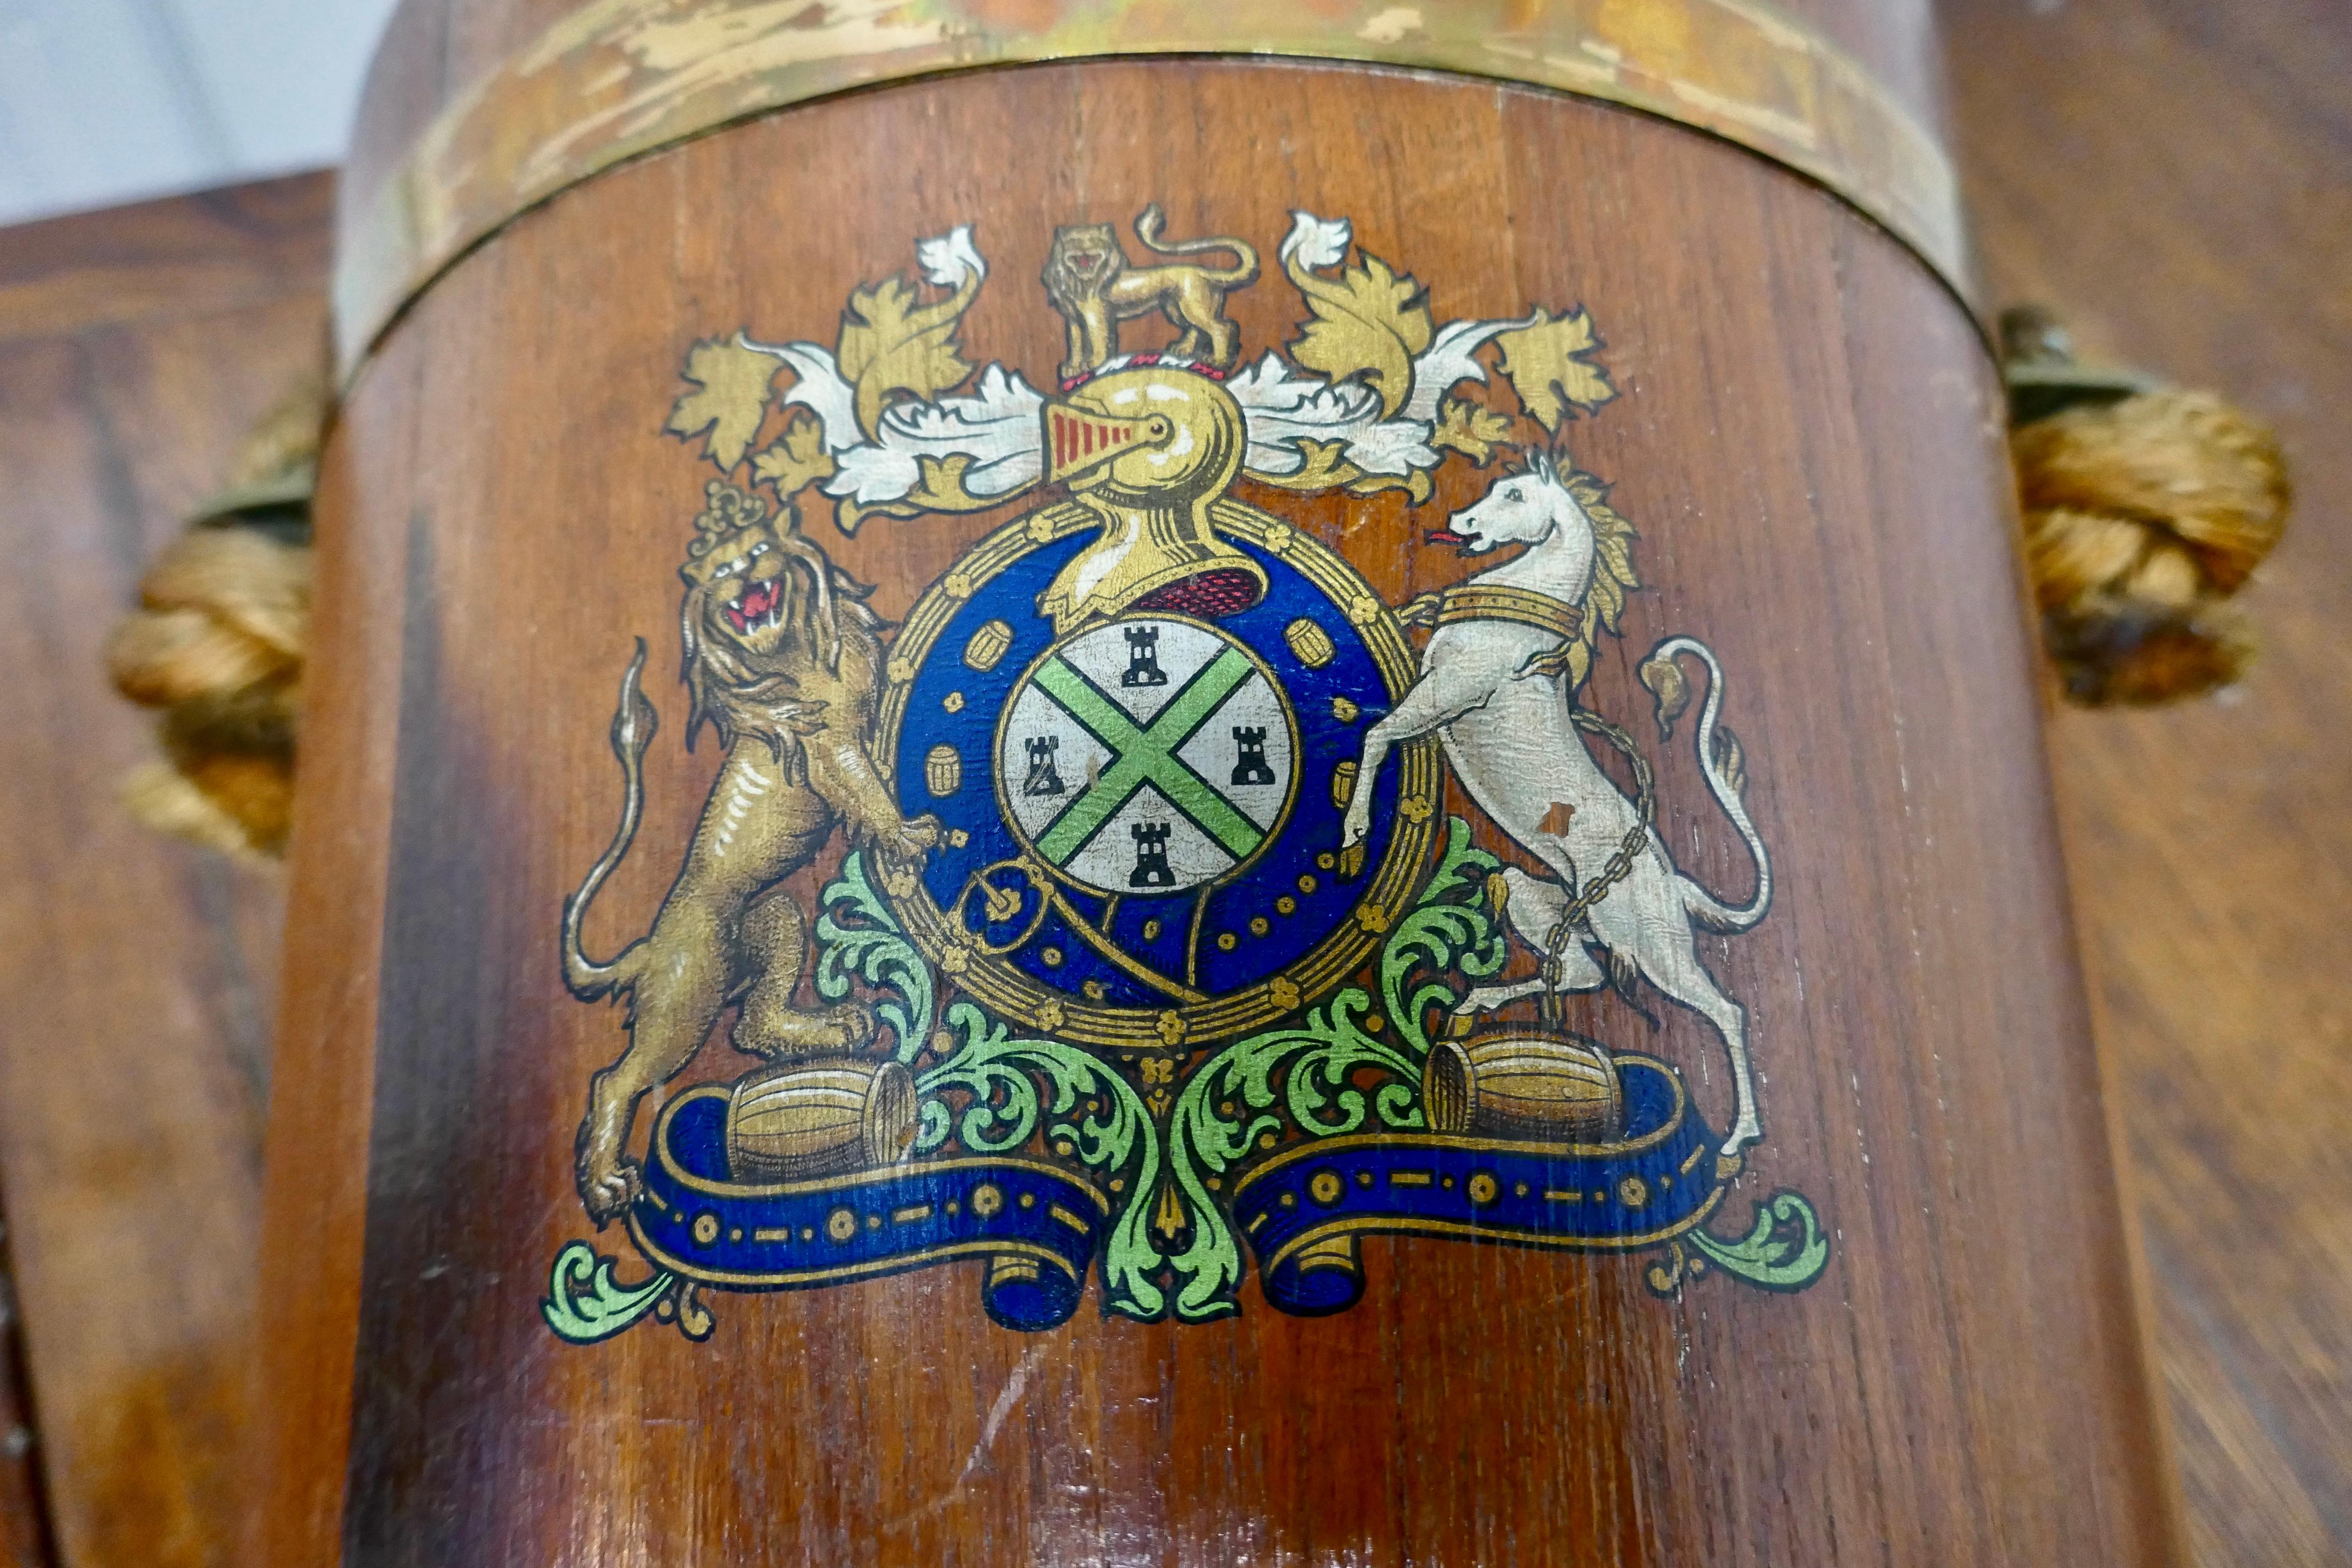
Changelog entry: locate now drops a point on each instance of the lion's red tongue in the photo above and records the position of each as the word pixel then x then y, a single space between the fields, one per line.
pixel 757 601
pixel 1446 536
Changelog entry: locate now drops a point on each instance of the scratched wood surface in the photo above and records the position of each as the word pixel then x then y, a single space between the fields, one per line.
pixel 135 347
pixel 1807 436
pixel 2195 242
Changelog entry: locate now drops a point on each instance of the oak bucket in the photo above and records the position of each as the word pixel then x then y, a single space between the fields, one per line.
pixel 1182 600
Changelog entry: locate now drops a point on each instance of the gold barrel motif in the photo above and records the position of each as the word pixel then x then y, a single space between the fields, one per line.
pixel 818 1116
pixel 1527 1086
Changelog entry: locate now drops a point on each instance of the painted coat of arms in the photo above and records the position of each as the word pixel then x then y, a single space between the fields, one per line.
pixel 1152 951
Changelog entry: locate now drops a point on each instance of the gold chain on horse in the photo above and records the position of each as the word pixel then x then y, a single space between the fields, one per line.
pixel 1620 866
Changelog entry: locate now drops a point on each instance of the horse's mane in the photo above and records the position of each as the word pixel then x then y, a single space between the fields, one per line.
pixel 1612 557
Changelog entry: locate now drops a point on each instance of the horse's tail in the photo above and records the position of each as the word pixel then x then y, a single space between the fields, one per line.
pixel 1244 270
pixel 1721 758
pixel 633 730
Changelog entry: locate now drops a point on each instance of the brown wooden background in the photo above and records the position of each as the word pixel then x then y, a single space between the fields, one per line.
pixel 138 978
pixel 2171 177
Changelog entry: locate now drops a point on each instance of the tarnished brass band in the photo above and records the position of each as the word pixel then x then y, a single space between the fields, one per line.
pixel 623 78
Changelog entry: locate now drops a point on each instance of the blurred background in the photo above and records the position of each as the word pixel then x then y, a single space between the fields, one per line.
pixel 2174 177
pixel 113 100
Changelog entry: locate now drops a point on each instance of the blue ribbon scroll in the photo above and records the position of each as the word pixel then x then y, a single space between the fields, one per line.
pixel 1303 1209
pixel 1037 1226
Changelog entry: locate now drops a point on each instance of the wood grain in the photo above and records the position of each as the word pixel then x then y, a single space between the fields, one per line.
pixel 2197 246
pixel 1808 436
pixel 248 245
pixel 25 1540
pixel 135 346
pixel 2173 178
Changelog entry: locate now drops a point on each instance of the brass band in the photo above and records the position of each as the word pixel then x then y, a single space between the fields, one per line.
pixel 623 78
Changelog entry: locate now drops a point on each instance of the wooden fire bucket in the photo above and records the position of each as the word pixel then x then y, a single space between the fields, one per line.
pixel 814 1117
pixel 1196 558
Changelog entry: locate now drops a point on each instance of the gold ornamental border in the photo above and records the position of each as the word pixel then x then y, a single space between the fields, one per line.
pixel 620 78
pixel 1182 1028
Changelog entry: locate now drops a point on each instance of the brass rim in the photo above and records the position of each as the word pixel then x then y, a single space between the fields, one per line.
pixel 625 78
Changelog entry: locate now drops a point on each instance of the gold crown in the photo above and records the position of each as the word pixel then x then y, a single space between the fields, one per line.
pixel 725 510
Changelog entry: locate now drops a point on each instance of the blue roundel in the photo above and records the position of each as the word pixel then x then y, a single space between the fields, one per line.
pixel 1149 809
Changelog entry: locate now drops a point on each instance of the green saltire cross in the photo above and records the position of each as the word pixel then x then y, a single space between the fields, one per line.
pixel 1147 754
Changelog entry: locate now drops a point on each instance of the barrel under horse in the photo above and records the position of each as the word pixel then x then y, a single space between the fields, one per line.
pixel 1498 684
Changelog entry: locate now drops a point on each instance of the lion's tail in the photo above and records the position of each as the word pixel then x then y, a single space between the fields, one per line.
pixel 633 730
pixel 1244 272
pixel 1726 766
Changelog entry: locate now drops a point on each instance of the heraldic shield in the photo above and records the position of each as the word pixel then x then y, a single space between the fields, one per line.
pixel 1148 944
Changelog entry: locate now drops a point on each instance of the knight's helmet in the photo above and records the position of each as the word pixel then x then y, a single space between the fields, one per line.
pixel 1148 449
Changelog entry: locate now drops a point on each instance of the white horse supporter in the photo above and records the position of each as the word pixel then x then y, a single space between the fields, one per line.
pixel 1497 682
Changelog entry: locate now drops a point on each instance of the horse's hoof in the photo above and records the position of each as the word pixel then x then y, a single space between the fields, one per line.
pixel 1729 1165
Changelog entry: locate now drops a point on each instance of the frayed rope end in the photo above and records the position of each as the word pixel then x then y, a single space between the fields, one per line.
pixel 2145 509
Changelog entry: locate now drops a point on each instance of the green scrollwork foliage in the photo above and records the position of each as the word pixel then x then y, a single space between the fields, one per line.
pixel 1228 1103
pixel 1785 1250
pixel 1451 928
pixel 584 1303
pixel 1312 1068
pixel 997 1076
pixel 859 938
